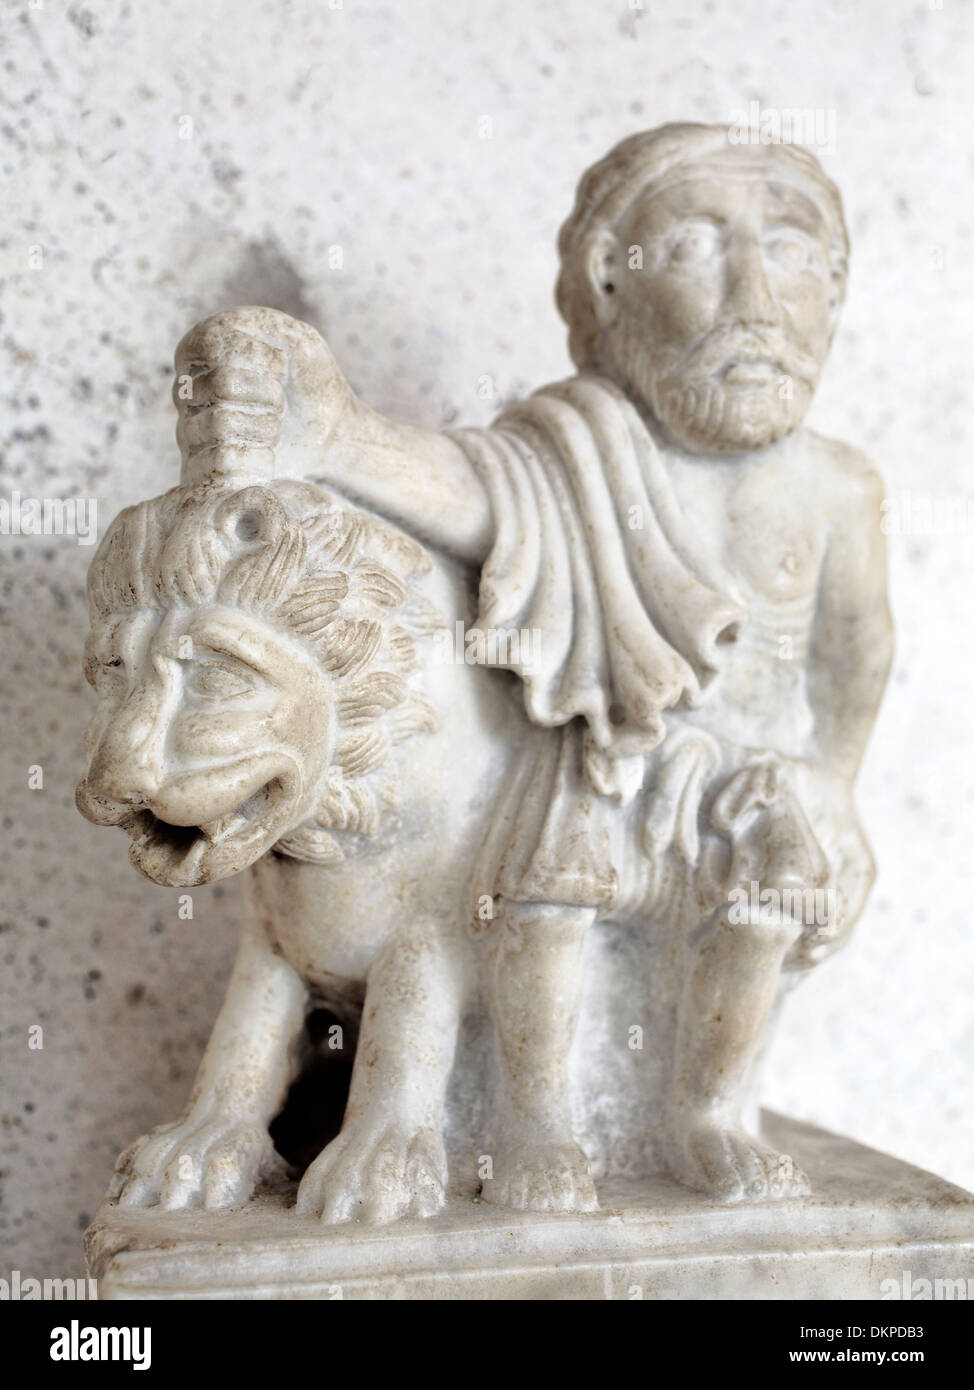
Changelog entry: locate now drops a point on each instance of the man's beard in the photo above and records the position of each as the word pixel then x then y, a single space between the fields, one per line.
pixel 700 407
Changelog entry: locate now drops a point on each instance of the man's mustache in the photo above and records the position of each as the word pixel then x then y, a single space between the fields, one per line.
pixel 723 347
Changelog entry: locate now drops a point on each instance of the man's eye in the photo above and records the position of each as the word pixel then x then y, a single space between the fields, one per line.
pixel 790 252
pixel 694 245
pixel 215 682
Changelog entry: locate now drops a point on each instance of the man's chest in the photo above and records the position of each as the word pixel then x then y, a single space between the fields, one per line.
pixel 760 523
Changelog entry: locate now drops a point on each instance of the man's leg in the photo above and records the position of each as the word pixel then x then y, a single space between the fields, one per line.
pixel 727 998
pixel 534 990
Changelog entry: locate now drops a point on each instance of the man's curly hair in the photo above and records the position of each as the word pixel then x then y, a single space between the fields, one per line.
pixel 611 186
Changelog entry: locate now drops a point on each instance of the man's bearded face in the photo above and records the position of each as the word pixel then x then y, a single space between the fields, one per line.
pixel 724 329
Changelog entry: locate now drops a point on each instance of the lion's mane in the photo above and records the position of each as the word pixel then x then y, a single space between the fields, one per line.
pixel 332 576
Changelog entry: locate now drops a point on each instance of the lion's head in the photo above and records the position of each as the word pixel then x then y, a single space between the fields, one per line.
pixel 251 650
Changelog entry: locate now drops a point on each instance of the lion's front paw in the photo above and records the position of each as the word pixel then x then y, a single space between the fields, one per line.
pixel 376 1174
pixel 541 1175
pixel 198 1161
pixel 728 1163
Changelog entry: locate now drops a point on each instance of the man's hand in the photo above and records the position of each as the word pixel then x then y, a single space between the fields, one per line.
pixel 260 395
pixel 257 392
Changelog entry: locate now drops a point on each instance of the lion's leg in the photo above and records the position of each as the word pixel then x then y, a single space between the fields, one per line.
pixel 534 990
pixel 726 1002
pixel 389 1161
pixel 215 1153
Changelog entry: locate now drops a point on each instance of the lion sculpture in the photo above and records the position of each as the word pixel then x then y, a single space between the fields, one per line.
pixel 282 689
pixel 263 664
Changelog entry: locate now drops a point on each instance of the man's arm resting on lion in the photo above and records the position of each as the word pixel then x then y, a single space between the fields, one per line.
pixel 258 389
pixel 852 642
pixel 416 477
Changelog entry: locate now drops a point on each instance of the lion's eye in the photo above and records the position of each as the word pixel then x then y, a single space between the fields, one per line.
pixel 216 682
pixel 107 674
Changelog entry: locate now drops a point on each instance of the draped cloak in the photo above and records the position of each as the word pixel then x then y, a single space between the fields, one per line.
pixel 592 552
pixel 593 557
pixel 606 611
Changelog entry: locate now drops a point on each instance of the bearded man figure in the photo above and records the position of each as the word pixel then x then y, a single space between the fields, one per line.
pixel 707 578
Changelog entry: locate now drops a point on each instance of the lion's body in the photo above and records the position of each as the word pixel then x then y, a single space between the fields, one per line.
pixel 370 761
pixel 332 921
pixel 319 736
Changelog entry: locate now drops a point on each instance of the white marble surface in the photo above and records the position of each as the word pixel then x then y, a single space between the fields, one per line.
pixel 361 128
pixel 872 1226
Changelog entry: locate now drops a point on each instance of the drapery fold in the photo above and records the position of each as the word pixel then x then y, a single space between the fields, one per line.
pixel 592 557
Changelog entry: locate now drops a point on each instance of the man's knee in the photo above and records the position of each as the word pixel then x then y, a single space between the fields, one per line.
pixel 552 923
pixel 769 923
pixel 781 907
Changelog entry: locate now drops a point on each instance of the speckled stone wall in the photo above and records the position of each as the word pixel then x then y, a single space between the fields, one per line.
pixel 396 175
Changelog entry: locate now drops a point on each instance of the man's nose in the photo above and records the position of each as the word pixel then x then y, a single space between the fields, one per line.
pixel 127 766
pixel 747 294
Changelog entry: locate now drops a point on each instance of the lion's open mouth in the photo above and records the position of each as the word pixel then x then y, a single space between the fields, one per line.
pixel 252 809
pixel 145 827
pixel 178 853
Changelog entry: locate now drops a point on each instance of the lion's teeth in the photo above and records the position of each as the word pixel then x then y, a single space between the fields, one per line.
pixel 223 826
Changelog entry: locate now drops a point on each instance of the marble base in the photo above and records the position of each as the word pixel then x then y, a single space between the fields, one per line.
pixel 871 1218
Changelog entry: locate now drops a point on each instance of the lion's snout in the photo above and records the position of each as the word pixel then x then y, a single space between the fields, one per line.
pixel 100 810
pixel 115 787
pixel 120 781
